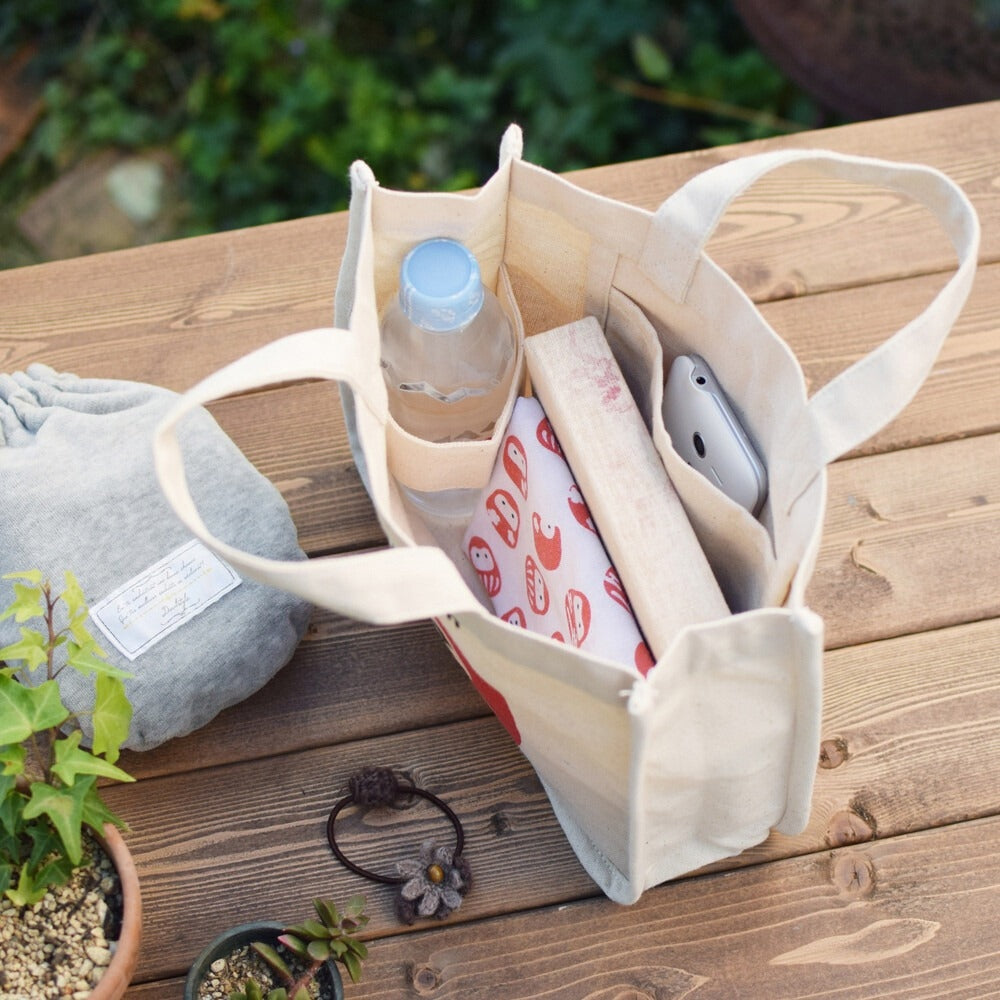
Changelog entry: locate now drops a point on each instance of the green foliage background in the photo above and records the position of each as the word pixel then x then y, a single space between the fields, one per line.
pixel 266 102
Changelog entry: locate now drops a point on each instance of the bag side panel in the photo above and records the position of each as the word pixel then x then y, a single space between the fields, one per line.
pixel 723 726
pixel 567 714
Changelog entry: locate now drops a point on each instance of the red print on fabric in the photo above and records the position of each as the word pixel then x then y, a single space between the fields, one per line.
pixel 614 589
pixel 515 617
pixel 492 697
pixel 504 515
pixel 547 437
pixel 558 636
pixel 534 582
pixel 577 616
pixel 579 509
pixel 481 556
pixel 515 462
pixel 548 541
pixel 644 661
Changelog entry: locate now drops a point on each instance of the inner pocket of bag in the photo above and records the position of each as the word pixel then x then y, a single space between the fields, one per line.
pixel 737 545
pixel 430 467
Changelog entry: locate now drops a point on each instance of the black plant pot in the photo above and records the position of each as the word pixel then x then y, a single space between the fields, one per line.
pixel 331 985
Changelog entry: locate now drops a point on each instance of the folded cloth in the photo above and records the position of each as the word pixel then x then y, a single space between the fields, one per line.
pixel 537 551
pixel 78 492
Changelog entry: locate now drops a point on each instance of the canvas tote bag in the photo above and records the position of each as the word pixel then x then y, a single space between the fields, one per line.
pixel 650 777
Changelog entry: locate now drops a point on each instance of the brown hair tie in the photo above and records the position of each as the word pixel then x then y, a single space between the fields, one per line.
pixel 431 885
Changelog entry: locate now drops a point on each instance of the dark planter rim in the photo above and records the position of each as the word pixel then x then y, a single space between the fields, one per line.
pixel 236 937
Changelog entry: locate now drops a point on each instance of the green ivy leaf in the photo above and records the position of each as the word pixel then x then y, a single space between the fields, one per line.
pixel 32 575
pixel 76 606
pixel 31 649
pixel 71 761
pixel 13 759
pixel 112 716
pixel 11 804
pixel 44 842
pixel 26 893
pixel 27 604
pixel 96 813
pixel 64 808
pixel 73 596
pixel 89 659
pixel 25 710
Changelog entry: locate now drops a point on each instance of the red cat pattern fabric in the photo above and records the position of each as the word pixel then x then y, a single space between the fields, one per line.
pixel 537 552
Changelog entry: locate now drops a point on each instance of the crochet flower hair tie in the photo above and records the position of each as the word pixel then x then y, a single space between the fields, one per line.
pixel 430 885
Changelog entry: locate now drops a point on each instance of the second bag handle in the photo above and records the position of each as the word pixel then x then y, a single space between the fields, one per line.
pixel 864 397
pixel 383 586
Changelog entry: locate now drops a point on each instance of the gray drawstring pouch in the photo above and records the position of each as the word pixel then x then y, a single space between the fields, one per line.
pixel 78 492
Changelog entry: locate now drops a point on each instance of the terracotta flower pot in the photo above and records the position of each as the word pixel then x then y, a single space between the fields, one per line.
pixel 331 985
pixel 118 974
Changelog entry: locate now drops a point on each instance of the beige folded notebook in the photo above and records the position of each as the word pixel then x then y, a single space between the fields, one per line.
pixel 631 499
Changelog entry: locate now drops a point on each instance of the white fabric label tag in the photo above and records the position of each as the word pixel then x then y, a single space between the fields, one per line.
pixel 164 597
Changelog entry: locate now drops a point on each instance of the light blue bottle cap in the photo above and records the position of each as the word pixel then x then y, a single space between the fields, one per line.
pixel 439 285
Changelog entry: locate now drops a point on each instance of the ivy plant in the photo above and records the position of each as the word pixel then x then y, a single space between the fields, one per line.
pixel 48 779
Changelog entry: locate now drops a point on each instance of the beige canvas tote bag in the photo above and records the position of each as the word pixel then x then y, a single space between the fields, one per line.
pixel 650 777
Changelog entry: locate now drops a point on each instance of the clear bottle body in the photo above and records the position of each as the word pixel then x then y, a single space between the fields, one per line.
pixel 448 354
pixel 448 385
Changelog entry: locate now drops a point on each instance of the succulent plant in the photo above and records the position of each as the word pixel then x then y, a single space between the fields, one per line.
pixel 316 941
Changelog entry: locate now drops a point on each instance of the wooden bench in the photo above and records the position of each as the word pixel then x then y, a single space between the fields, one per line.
pixel 894 887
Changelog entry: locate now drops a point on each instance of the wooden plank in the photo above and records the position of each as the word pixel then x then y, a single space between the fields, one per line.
pixel 961 395
pixel 173 312
pixel 346 682
pixel 890 919
pixel 124 315
pixel 223 845
pixel 911 541
pixel 295 435
pixel 794 233
pixel 912 917
pixel 899 717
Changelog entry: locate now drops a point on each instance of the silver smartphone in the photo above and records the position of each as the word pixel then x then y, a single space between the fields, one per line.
pixel 707 434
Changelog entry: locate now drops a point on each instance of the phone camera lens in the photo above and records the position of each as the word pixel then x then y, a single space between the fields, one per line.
pixel 700 379
pixel 699 445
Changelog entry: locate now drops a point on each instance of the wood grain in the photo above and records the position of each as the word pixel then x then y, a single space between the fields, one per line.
pixel 911 541
pixel 247 287
pixel 346 681
pixel 903 712
pixel 892 888
pixel 911 917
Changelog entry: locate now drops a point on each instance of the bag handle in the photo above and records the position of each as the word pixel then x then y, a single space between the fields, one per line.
pixel 384 586
pixel 864 397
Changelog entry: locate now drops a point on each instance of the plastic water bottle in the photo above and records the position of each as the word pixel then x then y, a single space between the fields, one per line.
pixel 448 354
